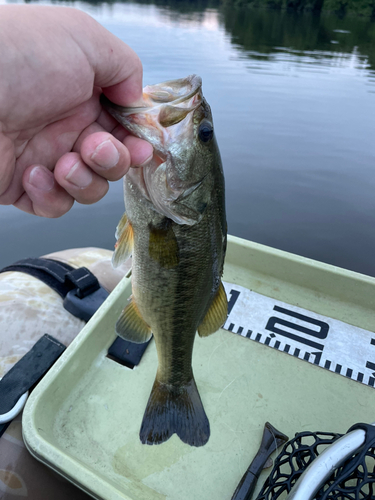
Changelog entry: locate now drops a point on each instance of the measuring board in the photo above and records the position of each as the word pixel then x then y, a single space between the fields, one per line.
pixel 326 342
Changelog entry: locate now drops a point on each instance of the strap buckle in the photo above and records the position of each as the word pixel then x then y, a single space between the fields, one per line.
pixel 84 307
pixel 79 288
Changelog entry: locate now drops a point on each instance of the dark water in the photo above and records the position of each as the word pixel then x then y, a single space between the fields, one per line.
pixel 293 98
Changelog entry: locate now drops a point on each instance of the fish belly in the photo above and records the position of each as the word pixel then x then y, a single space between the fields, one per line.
pixel 173 300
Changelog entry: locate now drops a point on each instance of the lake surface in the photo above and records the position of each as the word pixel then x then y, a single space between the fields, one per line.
pixel 293 99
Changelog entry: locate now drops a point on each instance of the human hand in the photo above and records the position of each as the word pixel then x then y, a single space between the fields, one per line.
pixel 57 144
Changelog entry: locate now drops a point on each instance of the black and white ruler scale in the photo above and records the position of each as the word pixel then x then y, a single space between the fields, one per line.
pixel 326 342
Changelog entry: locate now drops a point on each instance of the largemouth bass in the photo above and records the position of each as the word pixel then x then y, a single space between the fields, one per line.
pixel 175 227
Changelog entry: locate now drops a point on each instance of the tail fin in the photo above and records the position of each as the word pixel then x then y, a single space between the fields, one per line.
pixel 175 410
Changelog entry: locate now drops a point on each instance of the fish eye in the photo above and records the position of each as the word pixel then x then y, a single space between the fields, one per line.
pixel 205 132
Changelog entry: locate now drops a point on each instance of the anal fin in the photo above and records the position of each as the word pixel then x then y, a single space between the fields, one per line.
pixel 131 326
pixel 124 245
pixel 216 315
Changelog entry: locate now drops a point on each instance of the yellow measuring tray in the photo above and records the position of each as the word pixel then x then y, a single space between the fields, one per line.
pixel 83 419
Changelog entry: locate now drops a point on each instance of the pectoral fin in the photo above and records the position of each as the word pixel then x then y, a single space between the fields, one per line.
pixel 124 245
pixel 131 326
pixel 163 246
pixel 121 225
pixel 216 315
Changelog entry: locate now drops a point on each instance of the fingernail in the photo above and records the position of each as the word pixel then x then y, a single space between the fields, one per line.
pixel 41 179
pixel 145 162
pixel 106 155
pixel 79 175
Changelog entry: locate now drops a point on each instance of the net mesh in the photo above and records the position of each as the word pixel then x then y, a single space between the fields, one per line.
pixel 353 480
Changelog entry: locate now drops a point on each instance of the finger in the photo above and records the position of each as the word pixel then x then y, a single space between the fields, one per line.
pixel 7 166
pixel 110 158
pixel 125 86
pixel 43 196
pixel 79 180
pixel 50 144
pixel 104 123
pixel 107 156
pixel 141 151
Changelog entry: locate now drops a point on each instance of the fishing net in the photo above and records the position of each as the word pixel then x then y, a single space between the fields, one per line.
pixel 353 480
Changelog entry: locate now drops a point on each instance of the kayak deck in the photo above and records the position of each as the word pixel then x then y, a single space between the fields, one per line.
pixel 83 419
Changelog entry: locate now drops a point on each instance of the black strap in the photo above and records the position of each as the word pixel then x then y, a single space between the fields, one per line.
pixel 51 272
pixel 59 276
pixel 82 296
pixel 127 353
pixel 79 288
pixel 28 371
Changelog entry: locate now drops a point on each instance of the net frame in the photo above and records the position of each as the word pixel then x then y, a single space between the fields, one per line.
pixel 353 480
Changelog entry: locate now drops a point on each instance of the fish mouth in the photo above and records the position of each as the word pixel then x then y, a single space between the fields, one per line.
pixel 167 121
pixel 166 115
pixel 172 92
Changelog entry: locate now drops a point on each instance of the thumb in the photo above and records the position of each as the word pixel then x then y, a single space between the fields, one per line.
pixel 118 69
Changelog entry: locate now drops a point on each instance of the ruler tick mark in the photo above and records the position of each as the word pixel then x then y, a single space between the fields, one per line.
pixel 231 326
pixel 277 344
pixel 296 352
pixel 306 356
pixel 258 337
pixel 327 365
pixel 349 373
pixel 249 332
pixel 360 377
pixel 338 368
pixel 286 348
pixel 267 341
pixel 317 355
pixel 234 296
pixel 240 329
pixel 371 381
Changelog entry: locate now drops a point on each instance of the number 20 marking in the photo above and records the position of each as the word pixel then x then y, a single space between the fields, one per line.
pixel 321 334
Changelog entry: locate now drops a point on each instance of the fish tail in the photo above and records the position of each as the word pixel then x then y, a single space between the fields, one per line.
pixel 175 410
